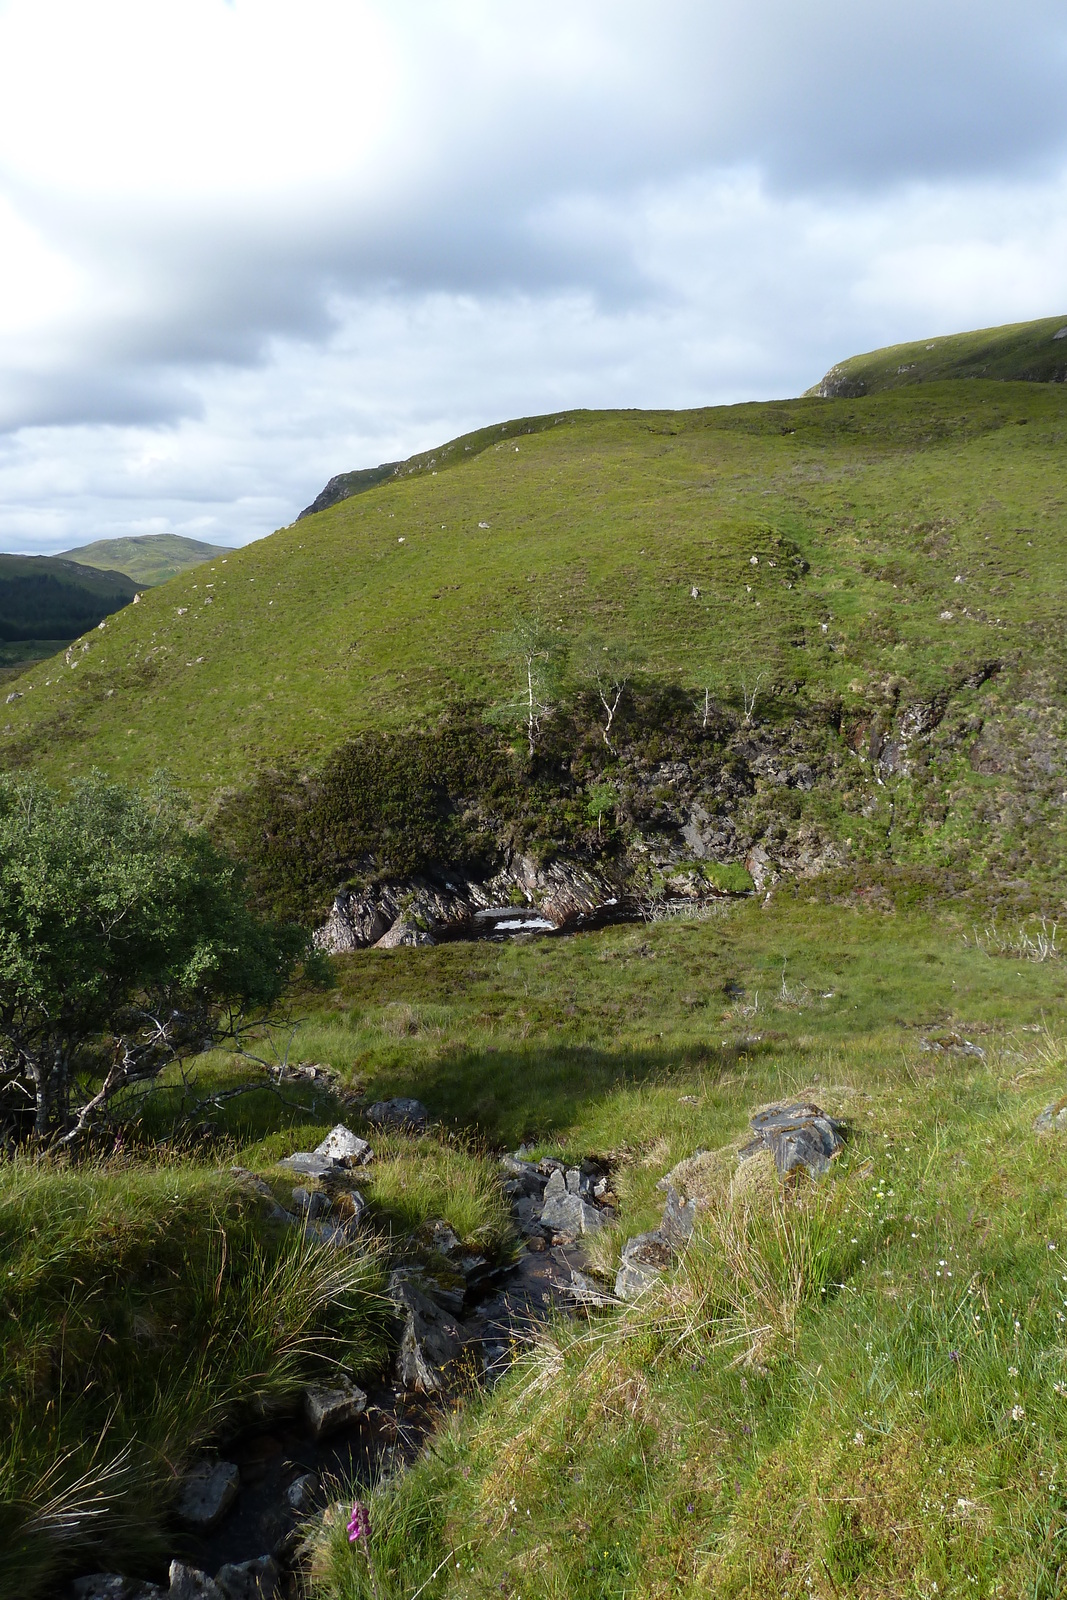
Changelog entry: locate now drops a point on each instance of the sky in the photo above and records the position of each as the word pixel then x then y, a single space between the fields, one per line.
pixel 247 244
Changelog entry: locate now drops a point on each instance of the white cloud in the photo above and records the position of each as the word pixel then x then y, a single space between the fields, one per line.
pixel 244 246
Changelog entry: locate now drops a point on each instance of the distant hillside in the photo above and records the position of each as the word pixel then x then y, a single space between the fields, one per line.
pixel 1026 352
pixel 47 598
pixel 148 558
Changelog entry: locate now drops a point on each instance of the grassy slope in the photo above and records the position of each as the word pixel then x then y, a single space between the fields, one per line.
pixel 147 558
pixel 869 1448
pixel 1026 351
pixel 601 520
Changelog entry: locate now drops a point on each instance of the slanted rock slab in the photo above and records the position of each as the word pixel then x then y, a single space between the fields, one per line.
pixel 430 1340
pixel 327 1410
pixel 208 1491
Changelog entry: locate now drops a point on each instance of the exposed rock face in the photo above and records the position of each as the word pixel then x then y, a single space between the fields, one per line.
pixel 645 1258
pixel 249 1580
pixel 797 1136
pixel 189 1583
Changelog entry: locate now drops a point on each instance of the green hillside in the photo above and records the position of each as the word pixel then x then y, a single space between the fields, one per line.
pixel 47 598
pixel 385 608
pixel 147 558
pixel 1026 352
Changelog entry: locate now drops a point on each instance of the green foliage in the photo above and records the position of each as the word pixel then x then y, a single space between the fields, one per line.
pixel 142 1309
pixel 1027 352
pixel 44 597
pixel 861 513
pixel 729 876
pixel 122 932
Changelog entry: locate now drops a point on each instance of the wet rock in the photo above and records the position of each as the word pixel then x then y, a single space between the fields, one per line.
pixel 249 1580
pixel 344 1148
pixel 797 1136
pixel 189 1583
pixel 430 1341
pixel 1053 1119
pixel 327 1410
pixel 398 1113
pixel 102 1586
pixel 645 1258
pixel 208 1491
pixel 569 1216
pixel 302 1493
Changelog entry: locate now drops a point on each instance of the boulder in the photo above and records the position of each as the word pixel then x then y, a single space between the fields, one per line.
pixel 344 1148
pixel 327 1410
pixel 311 1204
pixel 208 1491
pixel 404 933
pixel 430 1339
pixel 399 1113
pixel 523 1175
pixel 307 1164
pixel 587 1293
pixel 645 1258
pixel 569 1215
pixel 249 1580
pixel 189 1583
pixel 797 1136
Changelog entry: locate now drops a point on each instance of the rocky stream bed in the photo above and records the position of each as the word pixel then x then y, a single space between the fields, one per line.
pixel 241 1515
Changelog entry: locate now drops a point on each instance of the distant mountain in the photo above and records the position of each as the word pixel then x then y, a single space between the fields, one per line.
pixel 48 599
pixel 147 558
pixel 1024 352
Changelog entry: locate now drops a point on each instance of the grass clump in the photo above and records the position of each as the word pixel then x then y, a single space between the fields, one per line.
pixel 145 1308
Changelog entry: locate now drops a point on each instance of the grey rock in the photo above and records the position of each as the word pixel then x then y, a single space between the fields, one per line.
pixel 430 1339
pixel 189 1583
pixel 327 1410
pixel 527 1214
pixel 1053 1119
pixel 573 1181
pixel 556 1185
pixel 208 1491
pixel 645 1258
pixel 302 1492
pixel 954 1044
pixel 313 1204
pixel 679 1215
pixel 307 1164
pixel 524 1174
pixel 404 933
pixel 443 1239
pixel 587 1293
pixel 570 1215
pixel 252 1182
pixel 249 1580
pixel 101 1586
pixel 398 1113
pixel 344 1148
pixel 797 1136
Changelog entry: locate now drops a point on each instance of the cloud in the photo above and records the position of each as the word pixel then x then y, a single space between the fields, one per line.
pixel 243 246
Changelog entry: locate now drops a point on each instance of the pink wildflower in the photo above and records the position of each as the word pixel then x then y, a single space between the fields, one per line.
pixel 359 1523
